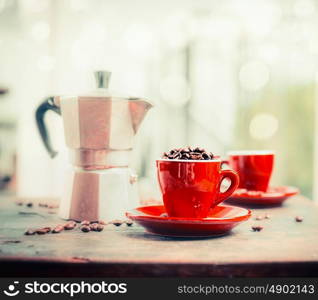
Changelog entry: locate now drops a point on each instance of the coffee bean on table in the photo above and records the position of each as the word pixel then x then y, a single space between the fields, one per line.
pixel 117 222
pixel 30 232
pixel 129 223
pixel 257 228
pixel 43 230
pixel 85 228
pixel 70 225
pixel 29 204
pixel 58 229
pixel 96 227
pixel 93 226
pixel 99 227
pixel 299 219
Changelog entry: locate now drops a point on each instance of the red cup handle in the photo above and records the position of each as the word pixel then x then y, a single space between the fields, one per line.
pixel 233 176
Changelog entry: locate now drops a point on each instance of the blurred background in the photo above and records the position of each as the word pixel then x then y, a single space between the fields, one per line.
pixel 224 75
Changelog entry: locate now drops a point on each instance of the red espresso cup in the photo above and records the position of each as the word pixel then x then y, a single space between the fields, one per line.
pixel 254 168
pixel 190 188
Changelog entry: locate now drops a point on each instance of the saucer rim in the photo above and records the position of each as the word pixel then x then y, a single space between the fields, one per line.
pixel 140 216
pixel 269 195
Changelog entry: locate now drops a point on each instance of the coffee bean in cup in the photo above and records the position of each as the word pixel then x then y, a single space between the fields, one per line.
pixel 188 153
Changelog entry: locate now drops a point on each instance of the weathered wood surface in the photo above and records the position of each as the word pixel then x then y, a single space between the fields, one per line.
pixel 283 248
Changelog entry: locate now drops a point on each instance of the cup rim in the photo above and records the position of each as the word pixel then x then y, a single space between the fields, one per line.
pixel 250 152
pixel 190 160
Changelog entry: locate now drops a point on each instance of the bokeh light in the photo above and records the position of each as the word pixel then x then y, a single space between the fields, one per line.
pixel 254 75
pixel 263 126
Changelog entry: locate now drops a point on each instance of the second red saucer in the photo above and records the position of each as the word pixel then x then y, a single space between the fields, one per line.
pixel 274 196
pixel 221 220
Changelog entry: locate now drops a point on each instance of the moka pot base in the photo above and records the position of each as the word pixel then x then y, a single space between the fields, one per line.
pixel 98 194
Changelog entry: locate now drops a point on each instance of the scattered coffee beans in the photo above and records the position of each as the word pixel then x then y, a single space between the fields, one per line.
pixel 129 223
pixel 267 216
pixel 96 227
pixel 70 225
pixel 117 222
pixel 30 232
pixel 85 228
pixel 257 228
pixel 93 226
pixel 99 227
pixel 188 153
pixel 258 218
pixel 299 219
pixel 29 204
pixel 43 230
pixel 58 229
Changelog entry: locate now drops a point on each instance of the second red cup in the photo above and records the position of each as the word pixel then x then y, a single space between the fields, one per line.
pixel 254 168
pixel 190 188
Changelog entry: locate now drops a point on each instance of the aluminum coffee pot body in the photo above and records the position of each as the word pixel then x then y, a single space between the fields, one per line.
pixel 99 128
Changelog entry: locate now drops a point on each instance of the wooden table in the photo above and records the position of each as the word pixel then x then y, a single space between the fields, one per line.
pixel 283 248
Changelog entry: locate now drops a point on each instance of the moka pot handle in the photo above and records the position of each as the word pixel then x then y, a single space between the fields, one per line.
pixel 47 104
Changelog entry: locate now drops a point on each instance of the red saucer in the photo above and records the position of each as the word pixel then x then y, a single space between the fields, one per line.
pixel 221 220
pixel 274 196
